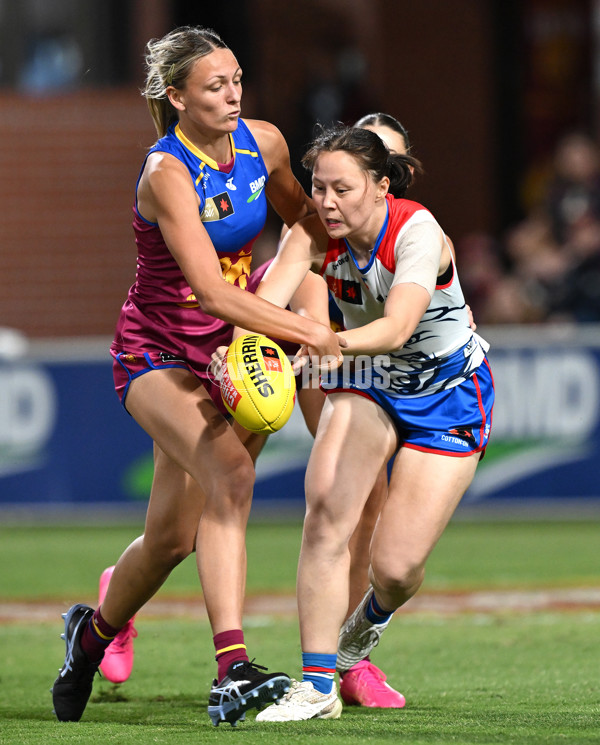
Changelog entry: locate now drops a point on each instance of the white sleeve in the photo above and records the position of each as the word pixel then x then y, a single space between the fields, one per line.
pixel 418 255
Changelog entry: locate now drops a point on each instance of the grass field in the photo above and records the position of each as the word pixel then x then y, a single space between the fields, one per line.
pixel 469 678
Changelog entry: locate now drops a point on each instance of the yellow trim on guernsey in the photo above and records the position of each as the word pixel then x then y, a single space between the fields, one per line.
pixel 203 156
pixel 253 153
pixel 196 151
pixel 205 160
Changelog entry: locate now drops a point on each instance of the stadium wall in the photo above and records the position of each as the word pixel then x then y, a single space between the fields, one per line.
pixel 69 167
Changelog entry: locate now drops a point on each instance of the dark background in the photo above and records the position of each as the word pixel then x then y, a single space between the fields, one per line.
pixel 486 88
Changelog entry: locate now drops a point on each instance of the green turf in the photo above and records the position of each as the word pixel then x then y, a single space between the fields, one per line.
pixel 64 562
pixel 469 678
pixel 503 678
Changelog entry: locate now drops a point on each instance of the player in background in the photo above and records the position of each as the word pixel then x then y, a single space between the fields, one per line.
pixel 200 202
pixel 417 385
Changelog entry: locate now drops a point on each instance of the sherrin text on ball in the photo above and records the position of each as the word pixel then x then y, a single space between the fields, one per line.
pixel 258 386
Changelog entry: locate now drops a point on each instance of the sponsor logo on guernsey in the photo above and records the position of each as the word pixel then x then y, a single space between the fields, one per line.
pixel 254 370
pixel 342 260
pixel 346 289
pixel 230 185
pixel 271 359
pixel 217 208
pixel 256 188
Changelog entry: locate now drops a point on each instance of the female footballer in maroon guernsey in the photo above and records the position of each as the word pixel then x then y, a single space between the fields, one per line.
pixel 200 202
pixel 415 383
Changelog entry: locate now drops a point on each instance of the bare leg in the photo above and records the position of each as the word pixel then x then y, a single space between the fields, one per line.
pixel 252 441
pixel 360 543
pixel 424 491
pixel 196 447
pixel 148 561
pixel 355 438
pixel 311 402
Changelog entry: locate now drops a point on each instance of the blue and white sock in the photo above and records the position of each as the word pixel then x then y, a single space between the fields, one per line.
pixel 375 613
pixel 319 669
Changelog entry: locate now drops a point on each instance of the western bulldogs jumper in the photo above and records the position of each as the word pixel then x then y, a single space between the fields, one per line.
pixel 443 350
pixel 437 388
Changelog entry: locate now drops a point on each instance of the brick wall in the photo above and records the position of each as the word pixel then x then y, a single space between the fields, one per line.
pixel 68 167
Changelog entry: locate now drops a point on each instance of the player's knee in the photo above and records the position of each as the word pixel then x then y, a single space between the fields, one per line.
pixel 325 530
pixel 241 479
pixel 324 504
pixel 169 547
pixel 399 580
pixel 232 489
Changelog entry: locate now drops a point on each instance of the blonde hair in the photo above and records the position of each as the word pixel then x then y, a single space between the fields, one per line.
pixel 168 62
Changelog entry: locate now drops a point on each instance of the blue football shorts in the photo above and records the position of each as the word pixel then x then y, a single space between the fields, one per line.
pixel 456 421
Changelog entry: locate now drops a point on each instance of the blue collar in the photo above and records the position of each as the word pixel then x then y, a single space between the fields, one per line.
pixel 366 268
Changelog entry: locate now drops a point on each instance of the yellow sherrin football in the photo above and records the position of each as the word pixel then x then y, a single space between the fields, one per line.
pixel 258 386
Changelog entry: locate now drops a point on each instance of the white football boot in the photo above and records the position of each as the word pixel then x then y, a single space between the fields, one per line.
pixel 302 702
pixel 358 636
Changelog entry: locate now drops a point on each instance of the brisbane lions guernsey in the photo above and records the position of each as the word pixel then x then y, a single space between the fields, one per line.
pixel 443 350
pixel 161 311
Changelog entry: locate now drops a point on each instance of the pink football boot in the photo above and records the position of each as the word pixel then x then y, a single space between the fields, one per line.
pixel 117 662
pixel 364 685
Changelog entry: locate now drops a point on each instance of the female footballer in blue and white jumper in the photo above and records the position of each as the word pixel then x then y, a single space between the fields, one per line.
pixel 415 383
